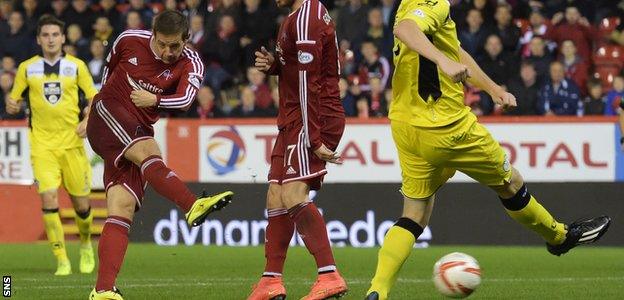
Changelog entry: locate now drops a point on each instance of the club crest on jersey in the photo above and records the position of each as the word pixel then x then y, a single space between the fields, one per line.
pixel 68 71
pixel 305 57
pixel 166 73
pixel 326 18
pixel 52 91
pixel 419 13
pixel 134 61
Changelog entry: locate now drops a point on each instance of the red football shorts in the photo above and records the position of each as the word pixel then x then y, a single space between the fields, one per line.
pixel 111 131
pixel 292 161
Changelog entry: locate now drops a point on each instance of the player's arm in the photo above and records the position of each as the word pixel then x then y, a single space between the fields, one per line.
pixel 185 93
pixel 479 79
pixel 113 57
pixel 85 83
pixel 19 86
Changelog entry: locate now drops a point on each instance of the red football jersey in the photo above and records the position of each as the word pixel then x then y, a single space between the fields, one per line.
pixel 308 69
pixel 133 65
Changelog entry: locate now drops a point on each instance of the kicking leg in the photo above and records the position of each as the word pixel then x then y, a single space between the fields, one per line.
pixel 147 156
pixel 525 209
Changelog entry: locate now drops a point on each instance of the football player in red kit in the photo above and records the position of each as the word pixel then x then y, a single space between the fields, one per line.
pixel 146 71
pixel 311 122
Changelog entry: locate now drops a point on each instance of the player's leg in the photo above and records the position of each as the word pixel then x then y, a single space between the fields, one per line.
pixel 311 228
pixel 560 238
pixel 279 232
pixel 77 181
pixel 113 242
pixel 47 172
pixel 420 181
pixel 146 154
pixel 398 244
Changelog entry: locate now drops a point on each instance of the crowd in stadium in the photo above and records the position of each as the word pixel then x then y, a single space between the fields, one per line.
pixel 558 57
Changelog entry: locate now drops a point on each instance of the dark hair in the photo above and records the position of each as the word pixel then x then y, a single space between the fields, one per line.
pixel 593 82
pixel 171 22
pixel 48 19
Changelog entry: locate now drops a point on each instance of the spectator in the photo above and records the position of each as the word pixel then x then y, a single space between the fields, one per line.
pixel 32 10
pixel 217 10
pixel 222 53
pixel 191 8
pixel 594 103
pixel 6 82
pixel 575 67
pixel 498 64
pixel 255 29
pixel 576 29
pixel 486 8
pixel 258 85
pixel 70 49
pixel 379 34
pixel 8 65
pixel 373 65
pixel 80 13
pixel 110 12
pixel 526 89
pixel 134 21
pixel 103 31
pixel 273 109
pixel 6 8
pixel 74 37
pixel 59 8
pixel 205 107
pixel 538 26
pixel 348 100
pixel 386 11
pixel 508 32
pixel 377 102
pixel 351 25
pixel 473 37
pixel 145 13
pixel 247 108
pixel 198 34
pixel 171 4
pixel 540 58
pixel 96 64
pixel 615 96
pixel 362 108
pixel 17 42
pixel 560 96
pixel 617 36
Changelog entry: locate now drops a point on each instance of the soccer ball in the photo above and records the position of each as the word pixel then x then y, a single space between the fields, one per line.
pixel 456 275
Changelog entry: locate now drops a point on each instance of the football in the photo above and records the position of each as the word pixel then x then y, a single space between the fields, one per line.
pixel 456 275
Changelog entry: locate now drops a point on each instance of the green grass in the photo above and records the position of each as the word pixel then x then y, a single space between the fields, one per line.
pixel 197 272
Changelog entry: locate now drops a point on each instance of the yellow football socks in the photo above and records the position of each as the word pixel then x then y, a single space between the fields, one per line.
pixel 54 231
pixel 396 248
pixel 84 228
pixel 535 217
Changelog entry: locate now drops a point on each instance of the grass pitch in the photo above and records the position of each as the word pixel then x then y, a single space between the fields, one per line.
pixel 198 272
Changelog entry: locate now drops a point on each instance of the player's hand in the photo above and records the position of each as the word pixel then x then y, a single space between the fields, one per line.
pixel 504 98
pixel 456 71
pixel 81 130
pixel 143 98
pixel 264 60
pixel 327 155
pixel 12 106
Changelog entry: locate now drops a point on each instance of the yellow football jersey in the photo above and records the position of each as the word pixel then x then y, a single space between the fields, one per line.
pixel 422 94
pixel 53 96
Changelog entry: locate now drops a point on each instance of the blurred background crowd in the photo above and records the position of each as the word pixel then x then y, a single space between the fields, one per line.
pixel 558 57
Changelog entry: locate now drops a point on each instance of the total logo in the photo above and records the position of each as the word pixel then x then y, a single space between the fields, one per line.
pixel 225 151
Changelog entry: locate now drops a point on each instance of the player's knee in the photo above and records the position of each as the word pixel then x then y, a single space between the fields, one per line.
pixel 49 200
pixel 518 201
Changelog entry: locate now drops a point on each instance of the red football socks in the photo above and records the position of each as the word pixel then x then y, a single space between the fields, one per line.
pixel 166 182
pixel 111 251
pixel 279 232
pixel 311 228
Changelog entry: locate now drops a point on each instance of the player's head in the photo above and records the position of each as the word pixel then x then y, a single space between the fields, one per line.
pixel 171 30
pixel 50 34
pixel 285 3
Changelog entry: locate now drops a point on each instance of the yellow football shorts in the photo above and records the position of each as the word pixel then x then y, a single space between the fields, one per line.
pixel 430 156
pixel 69 166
